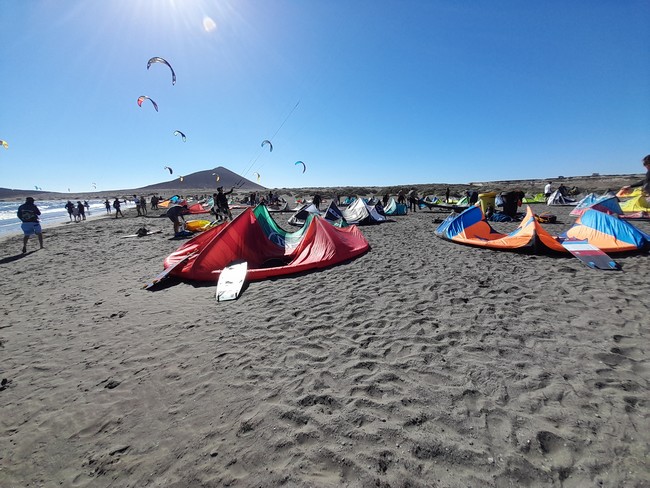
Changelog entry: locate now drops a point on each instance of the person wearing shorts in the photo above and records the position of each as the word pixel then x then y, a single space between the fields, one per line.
pixel 28 214
pixel 175 214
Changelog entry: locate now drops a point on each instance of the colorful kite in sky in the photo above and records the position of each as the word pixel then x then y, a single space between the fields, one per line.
pixel 179 133
pixel 171 171
pixel 265 141
pixel 4 144
pixel 163 61
pixel 304 166
pixel 143 98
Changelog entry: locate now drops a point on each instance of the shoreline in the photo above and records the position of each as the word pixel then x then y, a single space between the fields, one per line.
pixel 54 224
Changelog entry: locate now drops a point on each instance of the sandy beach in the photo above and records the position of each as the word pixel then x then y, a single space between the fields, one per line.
pixel 422 363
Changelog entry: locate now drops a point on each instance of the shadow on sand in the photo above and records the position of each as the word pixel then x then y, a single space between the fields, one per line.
pixel 11 259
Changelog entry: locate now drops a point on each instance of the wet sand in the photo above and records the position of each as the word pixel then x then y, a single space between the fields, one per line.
pixel 421 363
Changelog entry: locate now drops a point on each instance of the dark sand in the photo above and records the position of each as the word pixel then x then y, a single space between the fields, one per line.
pixel 421 363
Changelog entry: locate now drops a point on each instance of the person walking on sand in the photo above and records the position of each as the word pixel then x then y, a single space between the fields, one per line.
pixel 75 213
pixel 400 197
pixel 645 182
pixel 81 210
pixel 116 206
pixel 107 204
pixel 28 214
pixel 70 208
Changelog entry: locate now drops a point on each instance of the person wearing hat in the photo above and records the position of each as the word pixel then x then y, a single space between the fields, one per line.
pixel 221 202
pixel 28 214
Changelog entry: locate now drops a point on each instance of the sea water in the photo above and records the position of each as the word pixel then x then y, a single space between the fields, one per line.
pixel 52 212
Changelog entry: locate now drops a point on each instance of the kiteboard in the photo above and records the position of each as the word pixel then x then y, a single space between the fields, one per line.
pixel 590 254
pixel 231 280
pixel 164 274
pixel 143 235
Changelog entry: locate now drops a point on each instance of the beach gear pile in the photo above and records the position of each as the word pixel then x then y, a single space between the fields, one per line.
pixel 604 231
pixel 254 237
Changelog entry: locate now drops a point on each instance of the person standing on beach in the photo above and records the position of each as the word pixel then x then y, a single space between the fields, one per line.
pixel 548 190
pixel 221 202
pixel 316 201
pixel 413 199
pixel 645 182
pixel 384 200
pixel 136 200
pixel 400 197
pixel 143 205
pixel 116 206
pixel 447 192
pixel 28 214
pixel 107 204
pixel 70 208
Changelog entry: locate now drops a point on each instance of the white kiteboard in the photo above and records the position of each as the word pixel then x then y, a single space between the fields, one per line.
pixel 231 281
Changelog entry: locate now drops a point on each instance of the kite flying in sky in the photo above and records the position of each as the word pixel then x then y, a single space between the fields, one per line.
pixel 265 141
pixel 258 176
pixel 163 61
pixel 171 171
pixel 179 133
pixel 304 166
pixel 4 144
pixel 143 98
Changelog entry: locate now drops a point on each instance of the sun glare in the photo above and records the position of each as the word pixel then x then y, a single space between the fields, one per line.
pixel 208 24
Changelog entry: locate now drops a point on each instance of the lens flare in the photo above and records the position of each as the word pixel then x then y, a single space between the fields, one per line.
pixel 208 24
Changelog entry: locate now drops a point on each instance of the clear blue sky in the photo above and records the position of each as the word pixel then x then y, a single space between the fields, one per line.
pixel 389 92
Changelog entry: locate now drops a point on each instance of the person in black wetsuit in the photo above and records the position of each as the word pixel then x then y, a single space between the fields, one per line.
pixel 221 202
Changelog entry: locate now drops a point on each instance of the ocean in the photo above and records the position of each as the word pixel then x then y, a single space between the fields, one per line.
pixel 52 212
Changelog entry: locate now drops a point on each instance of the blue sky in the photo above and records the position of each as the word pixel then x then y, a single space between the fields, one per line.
pixel 387 92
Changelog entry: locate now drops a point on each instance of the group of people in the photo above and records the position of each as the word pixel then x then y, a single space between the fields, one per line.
pixel 117 205
pixel 77 212
pixel 411 197
pixel 548 190
pixel 220 209
pixel 29 214
pixel 141 205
